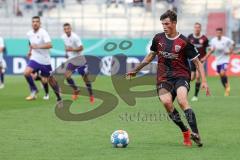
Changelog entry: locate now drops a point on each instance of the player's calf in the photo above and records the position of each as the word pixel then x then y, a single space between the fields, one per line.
pixel 33 88
pixel 191 118
pixel 53 83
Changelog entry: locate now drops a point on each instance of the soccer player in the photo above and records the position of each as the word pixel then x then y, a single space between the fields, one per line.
pixel 173 74
pixel 74 47
pixel 1 63
pixel 39 59
pixel 222 47
pixel 200 41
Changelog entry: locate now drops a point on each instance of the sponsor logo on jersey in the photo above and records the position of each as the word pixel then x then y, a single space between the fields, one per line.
pixel 168 55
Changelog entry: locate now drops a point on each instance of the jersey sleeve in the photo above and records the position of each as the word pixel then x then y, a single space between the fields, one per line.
pixel 46 37
pixel 191 51
pixel 206 43
pixel 154 45
pixel 1 43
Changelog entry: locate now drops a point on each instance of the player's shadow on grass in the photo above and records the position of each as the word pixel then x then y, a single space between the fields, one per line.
pixel 109 103
pixel 62 110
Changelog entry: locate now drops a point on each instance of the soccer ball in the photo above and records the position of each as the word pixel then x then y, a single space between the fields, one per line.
pixel 119 139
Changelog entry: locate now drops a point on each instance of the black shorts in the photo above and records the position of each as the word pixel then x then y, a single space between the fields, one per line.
pixel 192 66
pixel 172 86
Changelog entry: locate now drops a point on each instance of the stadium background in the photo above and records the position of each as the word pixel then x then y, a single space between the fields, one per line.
pixel 101 21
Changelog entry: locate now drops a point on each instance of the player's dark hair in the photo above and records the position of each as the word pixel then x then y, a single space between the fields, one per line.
pixel 219 29
pixel 36 17
pixel 169 14
pixel 197 23
pixel 66 25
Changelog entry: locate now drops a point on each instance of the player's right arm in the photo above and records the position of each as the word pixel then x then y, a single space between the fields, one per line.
pixel 1 45
pixel 47 45
pixel 210 50
pixel 231 47
pixel 30 50
pixel 147 59
pixel 79 45
pixel 66 55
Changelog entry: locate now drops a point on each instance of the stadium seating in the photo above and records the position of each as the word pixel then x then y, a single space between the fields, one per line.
pixel 93 18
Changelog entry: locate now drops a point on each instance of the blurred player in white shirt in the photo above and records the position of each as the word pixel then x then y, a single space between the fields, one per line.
pixel 222 47
pixel 73 48
pixel 39 59
pixel 2 63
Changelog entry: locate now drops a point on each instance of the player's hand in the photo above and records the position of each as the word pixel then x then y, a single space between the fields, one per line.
pixel 205 86
pixel 131 74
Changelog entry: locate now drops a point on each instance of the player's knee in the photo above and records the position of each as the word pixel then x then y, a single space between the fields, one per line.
pixel 183 103
pixel 222 73
pixel 167 103
pixel 67 76
pixel 27 73
pixel 44 80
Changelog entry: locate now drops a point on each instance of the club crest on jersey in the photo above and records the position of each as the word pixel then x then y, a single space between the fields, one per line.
pixel 177 48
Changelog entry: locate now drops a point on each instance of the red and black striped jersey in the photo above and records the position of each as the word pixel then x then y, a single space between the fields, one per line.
pixel 201 43
pixel 173 55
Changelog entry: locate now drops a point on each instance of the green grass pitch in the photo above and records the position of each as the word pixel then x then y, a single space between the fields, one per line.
pixel 31 130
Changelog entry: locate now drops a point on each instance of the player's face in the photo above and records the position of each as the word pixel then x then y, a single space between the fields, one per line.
pixel 36 24
pixel 197 29
pixel 67 30
pixel 168 26
pixel 219 34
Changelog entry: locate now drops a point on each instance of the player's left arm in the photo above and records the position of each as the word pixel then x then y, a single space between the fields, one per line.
pixel 78 43
pixel 47 45
pixel 200 69
pixel 193 55
pixel 78 49
pixel 232 46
